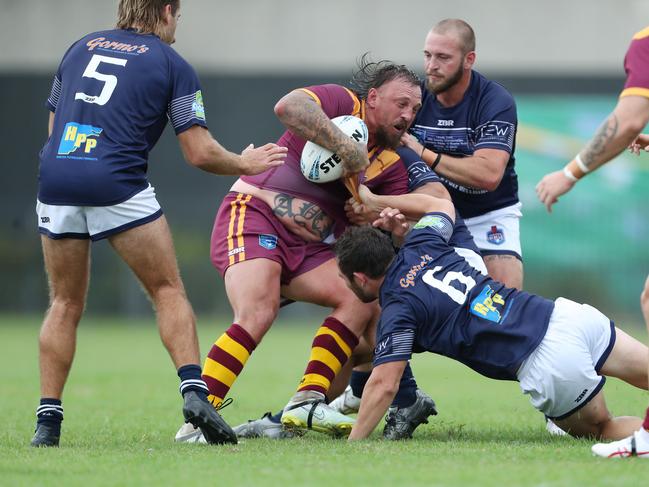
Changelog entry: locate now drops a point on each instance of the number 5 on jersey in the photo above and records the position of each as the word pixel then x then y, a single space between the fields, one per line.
pixel 110 81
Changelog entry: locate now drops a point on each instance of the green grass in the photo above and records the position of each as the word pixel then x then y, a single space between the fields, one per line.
pixel 122 409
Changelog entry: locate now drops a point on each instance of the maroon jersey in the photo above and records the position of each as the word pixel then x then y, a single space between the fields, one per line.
pixel 636 65
pixel 386 174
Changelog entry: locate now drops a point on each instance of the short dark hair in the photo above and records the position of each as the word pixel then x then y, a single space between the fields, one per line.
pixel 370 74
pixel 364 249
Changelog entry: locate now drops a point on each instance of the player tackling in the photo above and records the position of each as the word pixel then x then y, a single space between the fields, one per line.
pixel 559 351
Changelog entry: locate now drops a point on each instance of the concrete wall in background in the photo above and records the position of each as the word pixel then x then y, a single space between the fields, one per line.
pixel 297 36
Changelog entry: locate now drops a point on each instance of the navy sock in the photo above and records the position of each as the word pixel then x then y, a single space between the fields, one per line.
pixel 50 412
pixel 407 394
pixel 358 381
pixel 277 417
pixel 190 380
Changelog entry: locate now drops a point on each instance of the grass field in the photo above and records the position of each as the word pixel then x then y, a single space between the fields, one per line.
pixel 122 409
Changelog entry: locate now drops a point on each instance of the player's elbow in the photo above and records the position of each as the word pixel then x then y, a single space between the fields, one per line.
pixel 282 108
pixel 631 127
pixel 198 157
pixel 490 180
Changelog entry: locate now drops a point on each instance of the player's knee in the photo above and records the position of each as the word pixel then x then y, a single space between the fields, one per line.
pixel 257 318
pixel 69 308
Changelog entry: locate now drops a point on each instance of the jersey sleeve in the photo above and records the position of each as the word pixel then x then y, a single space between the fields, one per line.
pixel 636 65
pixel 55 93
pixel 432 227
pixel 418 171
pixel 186 106
pixel 335 100
pixel 497 121
pixel 395 334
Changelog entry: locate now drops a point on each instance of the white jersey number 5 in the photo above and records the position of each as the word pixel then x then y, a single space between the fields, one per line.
pixel 445 284
pixel 110 81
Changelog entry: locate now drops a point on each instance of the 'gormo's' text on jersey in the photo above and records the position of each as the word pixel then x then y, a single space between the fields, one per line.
pixel 111 98
pixel 433 300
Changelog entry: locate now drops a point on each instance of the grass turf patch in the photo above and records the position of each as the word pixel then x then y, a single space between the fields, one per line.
pixel 122 410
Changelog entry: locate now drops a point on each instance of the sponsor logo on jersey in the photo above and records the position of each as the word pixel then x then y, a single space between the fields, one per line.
pixel 409 278
pixel 78 139
pixel 445 123
pixel 45 219
pixel 268 241
pixel 383 347
pixel 103 44
pixel 485 304
pixel 197 106
pixel 496 235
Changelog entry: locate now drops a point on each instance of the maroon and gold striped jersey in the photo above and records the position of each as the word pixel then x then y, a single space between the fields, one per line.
pixel 636 65
pixel 386 173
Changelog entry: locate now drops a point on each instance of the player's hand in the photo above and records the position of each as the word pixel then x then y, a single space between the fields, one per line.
pixel 260 159
pixel 393 221
pixel 640 143
pixel 354 157
pixel 411 142
pixel 361 213
pixel 551 187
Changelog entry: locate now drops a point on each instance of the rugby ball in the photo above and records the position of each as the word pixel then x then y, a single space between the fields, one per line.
pixel 320 165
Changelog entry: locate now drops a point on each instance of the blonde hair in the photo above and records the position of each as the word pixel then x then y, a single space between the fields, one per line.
pixel 145 15
pixel 461 29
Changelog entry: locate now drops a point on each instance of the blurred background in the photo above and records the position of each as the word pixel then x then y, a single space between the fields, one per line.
pixel 563 62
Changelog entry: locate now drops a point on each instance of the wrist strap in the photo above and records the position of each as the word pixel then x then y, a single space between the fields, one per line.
pixel 436 161
pixel 580 164
pixel 567 173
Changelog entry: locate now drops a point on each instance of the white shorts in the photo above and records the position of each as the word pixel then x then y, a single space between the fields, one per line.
pixel 498 232
pixel 562 374
pixel 97 222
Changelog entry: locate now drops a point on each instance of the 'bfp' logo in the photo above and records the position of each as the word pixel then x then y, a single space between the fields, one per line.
pixel 78 136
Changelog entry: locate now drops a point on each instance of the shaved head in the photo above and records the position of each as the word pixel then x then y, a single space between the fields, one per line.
pixel 460 30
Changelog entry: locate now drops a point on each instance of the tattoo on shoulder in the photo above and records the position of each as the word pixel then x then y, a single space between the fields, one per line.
pixel 598 143
pixel 302 213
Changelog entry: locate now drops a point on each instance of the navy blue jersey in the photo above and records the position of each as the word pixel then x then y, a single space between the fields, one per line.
pixel 484 119
pixel 419 174
pixel 432 300
pixel 111 98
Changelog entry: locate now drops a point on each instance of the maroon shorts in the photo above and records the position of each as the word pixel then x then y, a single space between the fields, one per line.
pixel 245 228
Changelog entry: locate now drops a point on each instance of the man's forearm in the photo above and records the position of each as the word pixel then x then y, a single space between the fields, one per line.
pixel 473 171
pixel 375 402
pixel 608 142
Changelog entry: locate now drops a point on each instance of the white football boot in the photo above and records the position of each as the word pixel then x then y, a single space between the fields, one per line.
pixel 347 402
pixel 636 445
pixel 188 434
pixel 308 410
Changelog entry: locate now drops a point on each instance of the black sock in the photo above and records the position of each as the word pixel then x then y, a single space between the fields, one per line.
pixel 190 380
pixel 407 394
pixel 277 418
pixel 50 412
pixel 357 381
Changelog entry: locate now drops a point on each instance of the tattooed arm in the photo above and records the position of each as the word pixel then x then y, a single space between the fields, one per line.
pixel 616 133
pixel 301 114
pixel 301 217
